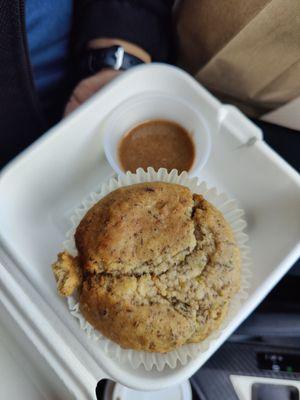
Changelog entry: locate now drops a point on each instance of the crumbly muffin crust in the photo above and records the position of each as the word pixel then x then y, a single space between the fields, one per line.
pixel 159 266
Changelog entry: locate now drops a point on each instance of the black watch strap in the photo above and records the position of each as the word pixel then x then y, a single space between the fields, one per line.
pixel 113 57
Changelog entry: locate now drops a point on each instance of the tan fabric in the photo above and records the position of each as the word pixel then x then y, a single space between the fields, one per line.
pixel 247 52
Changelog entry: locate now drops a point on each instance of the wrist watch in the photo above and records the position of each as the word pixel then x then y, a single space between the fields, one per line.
pixel 114 57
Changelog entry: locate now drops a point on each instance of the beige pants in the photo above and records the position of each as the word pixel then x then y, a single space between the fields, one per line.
pixel 245 51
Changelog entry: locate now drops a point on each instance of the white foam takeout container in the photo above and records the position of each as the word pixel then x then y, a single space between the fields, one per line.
pixel 24 373
pixel 42 186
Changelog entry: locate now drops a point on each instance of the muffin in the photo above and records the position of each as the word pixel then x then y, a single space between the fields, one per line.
pixel 156 268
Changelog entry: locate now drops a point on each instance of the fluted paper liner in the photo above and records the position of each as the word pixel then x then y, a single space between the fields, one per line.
pixel 232 214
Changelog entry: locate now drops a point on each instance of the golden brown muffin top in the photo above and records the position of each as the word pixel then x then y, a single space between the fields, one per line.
pixel 137 227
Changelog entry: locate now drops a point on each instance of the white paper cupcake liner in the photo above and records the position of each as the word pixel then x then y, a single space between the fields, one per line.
pixel 234 216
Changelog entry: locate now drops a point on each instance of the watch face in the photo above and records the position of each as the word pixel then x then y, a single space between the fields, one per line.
pixel 113 57
pixel 263 391
pixel 119 54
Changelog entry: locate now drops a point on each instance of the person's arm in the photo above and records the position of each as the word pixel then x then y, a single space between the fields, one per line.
pixel 142 27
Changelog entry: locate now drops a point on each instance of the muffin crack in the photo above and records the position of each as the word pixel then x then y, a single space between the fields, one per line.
pixel 149 267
